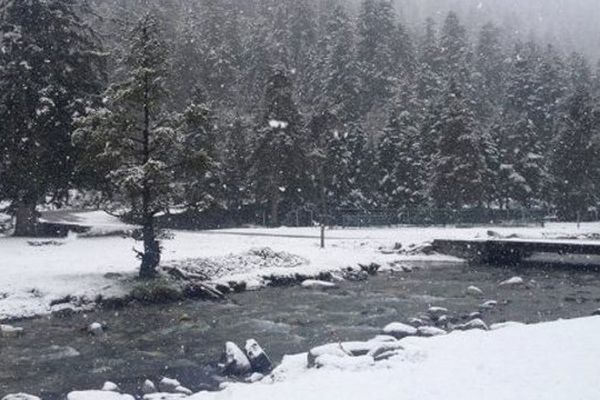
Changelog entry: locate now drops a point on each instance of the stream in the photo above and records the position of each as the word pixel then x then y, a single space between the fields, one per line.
pixel 185 340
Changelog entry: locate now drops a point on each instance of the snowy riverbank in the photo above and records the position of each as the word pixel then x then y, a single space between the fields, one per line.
pixel 41 276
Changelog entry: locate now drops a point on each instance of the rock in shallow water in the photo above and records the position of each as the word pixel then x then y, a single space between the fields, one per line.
pixel 259 361
pixel 515 281
pixel 315 284
pixel 148 387
pixel 9 331
pixel 474 291
pixel 234 361
pixel 110 387
pixel 168 385
pixel 20 396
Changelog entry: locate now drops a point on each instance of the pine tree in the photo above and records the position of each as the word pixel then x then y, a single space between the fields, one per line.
pixel 336 87
pixel 399 157
pixel 573 162
pixel 279 163
pixel 51 69
pixel 458 170
pixel 375 54
pixel 145 149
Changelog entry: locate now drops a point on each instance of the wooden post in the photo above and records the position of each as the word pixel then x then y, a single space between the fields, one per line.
pixel 322 235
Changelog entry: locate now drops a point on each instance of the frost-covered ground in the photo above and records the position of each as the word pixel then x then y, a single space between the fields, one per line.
pixel 36 273
pixel 551 361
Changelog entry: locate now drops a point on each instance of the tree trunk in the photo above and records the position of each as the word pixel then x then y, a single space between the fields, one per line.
pixel 26 220
pixel 151 255
pixel 274 209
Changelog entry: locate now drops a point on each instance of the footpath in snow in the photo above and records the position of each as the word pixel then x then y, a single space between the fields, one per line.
pixel 40 276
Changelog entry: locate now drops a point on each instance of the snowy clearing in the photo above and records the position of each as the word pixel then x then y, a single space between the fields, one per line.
pixel 38 272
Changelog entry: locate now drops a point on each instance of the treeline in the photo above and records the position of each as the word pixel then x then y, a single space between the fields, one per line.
pixel 279 104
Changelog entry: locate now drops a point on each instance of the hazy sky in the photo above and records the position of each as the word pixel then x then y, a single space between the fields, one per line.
pixel 574 24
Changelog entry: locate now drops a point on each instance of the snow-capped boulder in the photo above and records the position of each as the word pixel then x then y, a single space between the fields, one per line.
pixel 148 387
pixel 416 322
pixel 507 324
pixel 96 329
pixel 20 396
pixel 168 385
pixel 437 312
pixel 399 330
pixel 316 284
pixel 183 390
pixel 259 361
pixel 110 387
pixel 488 305
pixel 515 281
pixel 344 363
pixel 383 339
pixel 430 331
pixel 332 349
pixel 474 291
pixel 473 324
pixel 473 315
pixel 234 361
pixel 442 320
pixel 383 351
pixel 596 313
pixel 9 331
pixel 98 395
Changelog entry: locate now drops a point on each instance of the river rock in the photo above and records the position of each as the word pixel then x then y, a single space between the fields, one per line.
pixel 148 387
pixel 399 330
pixel 474 291
pixel 183 390
pixel 315 284
pixel 55 353
pixel 473 324
pixel 234 361
pixel 259 361
pixel 168 385
pixel 596 313
pixel 9 331
pixel 437 312
pixel 98 395
pixel 383 351
pixel 488 305
pixel 416 322
pixel 473 315
pixel 332 349
pixel 383 339
pixel 430 331
pixel 20 396
pixel 110 387
pixel 96 329
pixel 515 281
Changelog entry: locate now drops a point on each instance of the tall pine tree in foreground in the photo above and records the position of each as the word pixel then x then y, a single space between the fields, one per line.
pixel 148 153
pixel 51 67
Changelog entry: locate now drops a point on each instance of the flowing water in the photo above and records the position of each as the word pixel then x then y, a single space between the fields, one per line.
pixel 185 340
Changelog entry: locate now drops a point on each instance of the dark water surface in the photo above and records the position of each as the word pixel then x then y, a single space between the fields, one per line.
pixel 185 340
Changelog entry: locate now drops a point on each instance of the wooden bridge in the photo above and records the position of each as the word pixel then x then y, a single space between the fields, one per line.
pixel 511 251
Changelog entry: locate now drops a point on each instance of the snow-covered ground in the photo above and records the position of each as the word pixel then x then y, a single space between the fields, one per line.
pixel 38 272
pixel 551 361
